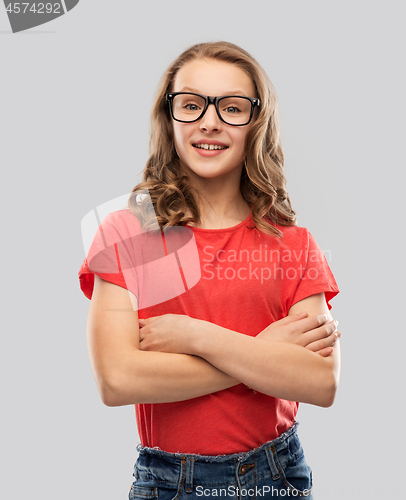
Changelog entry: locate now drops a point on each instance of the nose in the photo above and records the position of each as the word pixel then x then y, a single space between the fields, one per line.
pixel 210 121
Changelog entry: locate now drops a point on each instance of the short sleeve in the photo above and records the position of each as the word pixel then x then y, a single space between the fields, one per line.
pixel 316 275
pixel 111 254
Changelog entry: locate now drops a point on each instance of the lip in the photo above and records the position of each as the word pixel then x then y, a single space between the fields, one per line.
pixel 208 152
pixel 215 143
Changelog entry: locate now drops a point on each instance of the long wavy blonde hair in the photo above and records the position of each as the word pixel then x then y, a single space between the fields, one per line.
pixel 263 183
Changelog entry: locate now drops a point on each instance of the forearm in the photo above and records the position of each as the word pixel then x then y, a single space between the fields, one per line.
pixel 124 373
pixel 158 377
pixel 278 369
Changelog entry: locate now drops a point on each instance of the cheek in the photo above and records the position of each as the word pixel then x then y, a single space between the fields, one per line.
pixel 180 135
pixel 239 140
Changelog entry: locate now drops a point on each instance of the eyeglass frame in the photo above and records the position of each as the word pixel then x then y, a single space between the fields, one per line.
pixel 212 100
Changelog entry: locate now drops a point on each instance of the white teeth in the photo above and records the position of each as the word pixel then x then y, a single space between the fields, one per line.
pixel 209 146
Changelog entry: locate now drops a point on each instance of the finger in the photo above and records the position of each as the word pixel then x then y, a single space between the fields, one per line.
pixel 319 333
pixel 324 343
pixel 301 315
pixel 145 321
pixel 325 352
pixel 290 318
pixel 316 321
pixel 307 324
pixel 328 341
pixel 144 345
pixel 142 334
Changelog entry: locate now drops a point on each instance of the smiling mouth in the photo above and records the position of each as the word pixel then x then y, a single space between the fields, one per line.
pixel 209 147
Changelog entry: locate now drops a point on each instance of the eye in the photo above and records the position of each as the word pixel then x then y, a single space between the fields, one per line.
pixel 232 110
pixel 191 106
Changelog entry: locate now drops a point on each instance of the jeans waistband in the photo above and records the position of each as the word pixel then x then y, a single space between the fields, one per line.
pixel 166 468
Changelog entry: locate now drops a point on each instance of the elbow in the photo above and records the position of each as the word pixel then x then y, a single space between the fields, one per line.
pixel 109 399
pixel 328 392
pixel 328 381
pixel 328 398
pixel 117 390
pixel 108 396
pixel 108 392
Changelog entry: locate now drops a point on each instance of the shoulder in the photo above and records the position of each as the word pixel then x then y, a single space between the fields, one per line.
pixel 123 222
pixel 123 216
pixel 293 235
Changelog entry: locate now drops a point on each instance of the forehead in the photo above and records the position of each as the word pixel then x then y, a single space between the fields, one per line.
pixel 214 78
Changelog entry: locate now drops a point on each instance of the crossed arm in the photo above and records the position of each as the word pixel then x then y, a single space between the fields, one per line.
pixel 280 361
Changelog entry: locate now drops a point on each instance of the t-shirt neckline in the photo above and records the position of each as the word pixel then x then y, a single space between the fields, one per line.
pixel 223 229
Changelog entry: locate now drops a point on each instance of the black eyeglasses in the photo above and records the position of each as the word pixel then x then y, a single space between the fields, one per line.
pixel 187 107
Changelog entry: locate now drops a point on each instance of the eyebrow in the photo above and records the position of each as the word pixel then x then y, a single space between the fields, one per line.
pixel 194 91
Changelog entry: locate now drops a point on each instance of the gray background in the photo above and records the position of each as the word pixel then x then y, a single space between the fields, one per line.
pixel 74 122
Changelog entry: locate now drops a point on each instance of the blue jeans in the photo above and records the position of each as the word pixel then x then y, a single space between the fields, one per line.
pixel 275 469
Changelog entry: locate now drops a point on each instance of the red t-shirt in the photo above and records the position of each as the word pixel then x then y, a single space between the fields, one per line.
pixel 244 280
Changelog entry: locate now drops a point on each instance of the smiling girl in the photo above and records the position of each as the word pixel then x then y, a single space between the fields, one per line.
pixel 216 371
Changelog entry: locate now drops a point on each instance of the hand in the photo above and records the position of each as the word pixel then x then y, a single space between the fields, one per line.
pixel 315 332
pixel 166 333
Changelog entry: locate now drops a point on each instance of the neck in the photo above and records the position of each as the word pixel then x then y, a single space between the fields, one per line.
pixel 220 203
pixel 222 216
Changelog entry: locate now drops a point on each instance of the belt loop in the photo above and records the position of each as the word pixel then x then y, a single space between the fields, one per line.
pixel 271 462
pixel 189 475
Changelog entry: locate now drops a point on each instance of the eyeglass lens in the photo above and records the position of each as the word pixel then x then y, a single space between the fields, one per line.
pixel 233 110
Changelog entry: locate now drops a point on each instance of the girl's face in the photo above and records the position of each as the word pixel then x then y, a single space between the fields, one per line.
pixel 213 78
